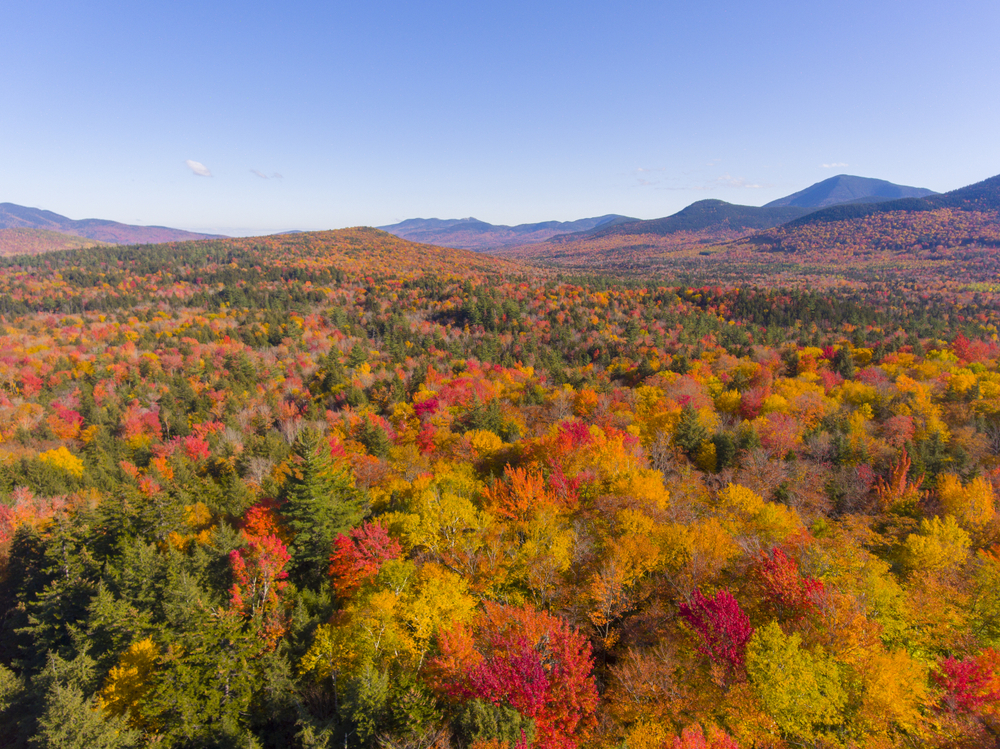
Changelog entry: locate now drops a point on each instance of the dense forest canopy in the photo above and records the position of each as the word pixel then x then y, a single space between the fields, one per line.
pixel 339 489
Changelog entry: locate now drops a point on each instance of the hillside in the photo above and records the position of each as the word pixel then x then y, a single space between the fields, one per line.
pixel 35 241
pixel 473 234
pixel 845 188
pixel 14 216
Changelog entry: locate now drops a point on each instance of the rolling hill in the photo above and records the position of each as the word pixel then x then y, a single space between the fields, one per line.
pixel 473 234
pixel 14 216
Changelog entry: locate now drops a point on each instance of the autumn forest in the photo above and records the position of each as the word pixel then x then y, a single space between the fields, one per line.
pixel 715 489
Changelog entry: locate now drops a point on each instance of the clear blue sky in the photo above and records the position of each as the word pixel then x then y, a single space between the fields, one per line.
pixel 512 112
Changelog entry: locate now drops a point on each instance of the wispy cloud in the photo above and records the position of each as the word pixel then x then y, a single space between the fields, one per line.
pixel 835 165
pixel 273 175
pixel 198 168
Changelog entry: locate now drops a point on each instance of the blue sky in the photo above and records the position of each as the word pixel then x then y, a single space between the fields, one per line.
pixel 316 115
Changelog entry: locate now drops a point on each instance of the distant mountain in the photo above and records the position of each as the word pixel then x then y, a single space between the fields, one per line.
pixel 845 188
pixel 19 217
pixel 705 215
pixel 473 234
pixel 719 216
pixel 638 243
pixel 967 217
pixel 937 224
pixel 982 196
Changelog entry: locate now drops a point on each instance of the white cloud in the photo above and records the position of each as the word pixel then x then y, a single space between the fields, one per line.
pixel 198 168
pixel 835 165
pixel 259 174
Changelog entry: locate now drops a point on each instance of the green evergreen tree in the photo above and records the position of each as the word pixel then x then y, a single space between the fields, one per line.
pixel 725 450
pixel 843 363
pixel 53 613
pixel 320 503
pixel 208 678
pixel 478 720
pixel 690 432
pixel 73 721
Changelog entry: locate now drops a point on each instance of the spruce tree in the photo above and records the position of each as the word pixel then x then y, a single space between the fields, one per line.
pixel 690 432
pixel 320 503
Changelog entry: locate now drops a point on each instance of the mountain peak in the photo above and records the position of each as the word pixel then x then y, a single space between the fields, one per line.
pixel 847 188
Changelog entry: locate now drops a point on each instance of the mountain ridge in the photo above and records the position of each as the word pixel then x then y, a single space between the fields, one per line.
pixel 13 216
pixel 473 234
pixel 699 216
pixel 928 227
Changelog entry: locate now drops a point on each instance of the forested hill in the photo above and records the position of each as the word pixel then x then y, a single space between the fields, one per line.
pixel 16 216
